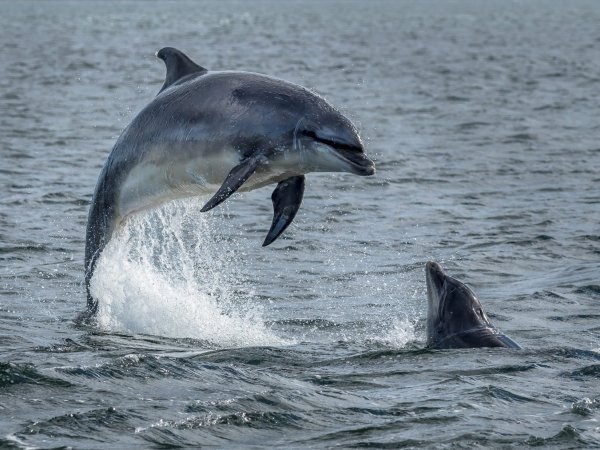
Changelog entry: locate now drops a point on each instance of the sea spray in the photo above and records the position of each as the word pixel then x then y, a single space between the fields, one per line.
pixel 169 272
pixel 397 334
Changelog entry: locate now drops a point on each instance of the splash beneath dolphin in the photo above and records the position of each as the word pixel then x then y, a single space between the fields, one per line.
pixel 166 273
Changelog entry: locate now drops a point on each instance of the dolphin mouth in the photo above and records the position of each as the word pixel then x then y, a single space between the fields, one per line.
pixel 350 153
pixel 435 275
pixel 360 163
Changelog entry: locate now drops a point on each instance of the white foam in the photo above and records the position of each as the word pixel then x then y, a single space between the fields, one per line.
pixel 167 272
pixel 401 333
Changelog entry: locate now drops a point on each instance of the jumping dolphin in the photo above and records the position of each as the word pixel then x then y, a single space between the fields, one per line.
pixel 216 133
pixel 455 318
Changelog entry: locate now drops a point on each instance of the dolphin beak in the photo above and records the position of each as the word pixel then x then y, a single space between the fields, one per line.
pixel 347 146
pixel 435 276
pixel 435 282
pixel 360 163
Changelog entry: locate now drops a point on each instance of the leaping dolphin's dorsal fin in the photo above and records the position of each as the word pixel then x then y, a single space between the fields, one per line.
pixel 178 66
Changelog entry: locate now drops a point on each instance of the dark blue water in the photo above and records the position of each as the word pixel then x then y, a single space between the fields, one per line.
pixel 483 121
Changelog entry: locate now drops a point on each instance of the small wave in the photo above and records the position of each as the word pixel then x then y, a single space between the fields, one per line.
pixel 592 290
pixel 567 435
pixel 471 125
pixel 585 406
pixel 67 346
pixel 24 247
pixel 519 137
pixel 166 272
pixel 591 371
pixel 131 366
pixel 456 98
pixel 495 370
pixel 506 395
pixel 12 374
pixel 363 436
pixel 259 420
pixel 90 423
pixel 257 356
pixel 573 353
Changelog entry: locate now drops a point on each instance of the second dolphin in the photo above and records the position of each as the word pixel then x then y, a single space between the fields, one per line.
pixel 455 317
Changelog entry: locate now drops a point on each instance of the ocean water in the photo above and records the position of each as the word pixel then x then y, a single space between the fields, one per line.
pixel 482 118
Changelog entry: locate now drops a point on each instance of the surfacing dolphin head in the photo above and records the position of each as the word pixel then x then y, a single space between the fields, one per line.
pixel 455 317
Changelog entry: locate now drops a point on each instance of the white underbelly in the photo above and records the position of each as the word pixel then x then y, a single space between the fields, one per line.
pixel 150 184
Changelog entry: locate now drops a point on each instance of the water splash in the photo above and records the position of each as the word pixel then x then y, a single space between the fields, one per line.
pixel 401 332
pixel 169 272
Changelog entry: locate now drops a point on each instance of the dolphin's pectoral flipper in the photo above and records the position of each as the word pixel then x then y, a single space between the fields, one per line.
pixel 238 176
pixel 286 197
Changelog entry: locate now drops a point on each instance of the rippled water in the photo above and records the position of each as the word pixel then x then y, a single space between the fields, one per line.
pixel 483 120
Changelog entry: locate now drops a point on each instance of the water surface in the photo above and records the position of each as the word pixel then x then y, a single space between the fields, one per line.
pixel 483 120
